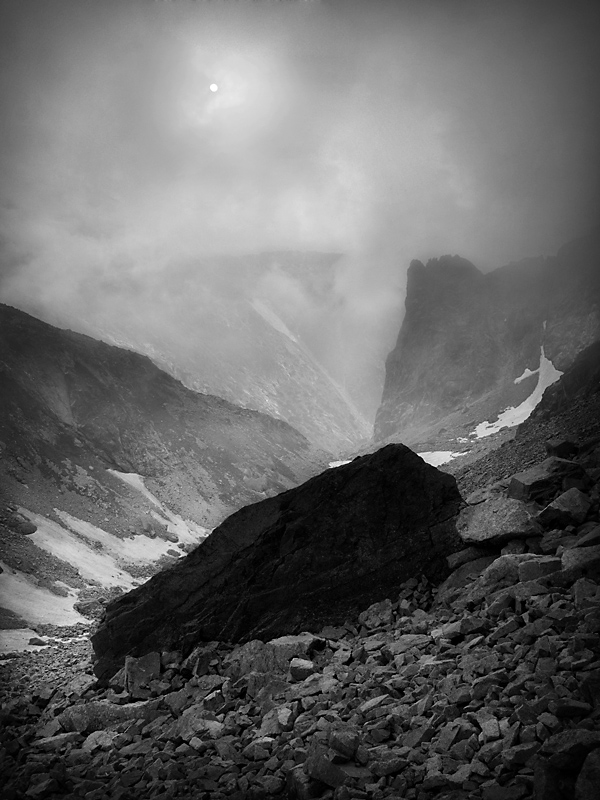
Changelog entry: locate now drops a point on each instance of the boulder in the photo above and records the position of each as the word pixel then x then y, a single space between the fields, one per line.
pixel 139 672
pixel 100 714
pixel 494 521
pixel 588 780
pixel 569 749
pixel 585 558
pixel 561 448
pixel 310 556
pixel 542 482
pixel 569 508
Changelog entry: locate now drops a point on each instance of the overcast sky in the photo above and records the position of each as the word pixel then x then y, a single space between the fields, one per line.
pixel 384 130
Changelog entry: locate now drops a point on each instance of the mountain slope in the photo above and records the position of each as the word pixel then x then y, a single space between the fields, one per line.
pixel 66 395
pixel 116 463
pixel 253 330
pixel 471 345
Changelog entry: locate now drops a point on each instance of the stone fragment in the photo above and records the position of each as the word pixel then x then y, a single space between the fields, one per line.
pixel 562 448
pixel 407 641
pixel 568 749
pixel 301 668
pixel 100 714
pixel 519 754
pixel 377 615
pixel 569 508
pixel 194 722
pixel 542 482
pixel 139 672
pixel 53 743
pixel 538 567
pixel 300 786
pixel 99 740
pixel 590 538
pixel 462 577
pixel 584 558
pixel 588 780
pixel 455 560
pixel 321 768
pixel 387 763
pixel 344 741
pixel 495 521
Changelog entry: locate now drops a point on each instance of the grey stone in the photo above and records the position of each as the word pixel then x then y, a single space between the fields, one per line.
pixel 301 668
pixel 569 749
pixel 99 714
pixel 542 482
pixel 495 521
pixel 536 568
pixel 588 780
pixel 139 672
pixel 569 508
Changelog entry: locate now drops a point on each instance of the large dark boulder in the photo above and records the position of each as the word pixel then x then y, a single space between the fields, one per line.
pixel 309 556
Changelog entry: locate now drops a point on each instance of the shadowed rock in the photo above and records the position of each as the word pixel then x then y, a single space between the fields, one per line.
pixel 310 556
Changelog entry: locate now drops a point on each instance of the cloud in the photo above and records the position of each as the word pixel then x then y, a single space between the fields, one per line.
pixel 384 131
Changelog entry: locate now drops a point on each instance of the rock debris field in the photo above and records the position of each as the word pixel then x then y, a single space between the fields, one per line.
pixel 487 686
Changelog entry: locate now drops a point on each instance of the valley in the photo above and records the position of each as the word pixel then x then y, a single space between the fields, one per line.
pixel 251 596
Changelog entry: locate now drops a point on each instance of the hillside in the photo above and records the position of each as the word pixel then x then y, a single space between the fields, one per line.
pixel 111 468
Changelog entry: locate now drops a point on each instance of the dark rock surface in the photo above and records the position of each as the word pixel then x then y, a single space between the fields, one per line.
pixel 467 336
pixel 310 556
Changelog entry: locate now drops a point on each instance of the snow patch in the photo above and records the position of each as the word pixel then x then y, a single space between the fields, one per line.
pixel 92 564
pixel 135 550
pixel 17 640
pixel 438 457
pixel 185 530
pixel 339 463
pixel 35 604
pixel 527 373
pixel 547 375
pixel 272 319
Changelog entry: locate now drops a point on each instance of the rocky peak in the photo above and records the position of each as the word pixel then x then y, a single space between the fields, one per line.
pixel 466 338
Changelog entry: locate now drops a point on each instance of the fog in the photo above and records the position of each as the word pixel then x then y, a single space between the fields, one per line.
pixel 382 131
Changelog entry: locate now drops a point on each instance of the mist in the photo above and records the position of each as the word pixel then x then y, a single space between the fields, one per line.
pixel 380 131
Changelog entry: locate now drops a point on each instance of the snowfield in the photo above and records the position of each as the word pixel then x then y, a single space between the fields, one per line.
pixel 547 375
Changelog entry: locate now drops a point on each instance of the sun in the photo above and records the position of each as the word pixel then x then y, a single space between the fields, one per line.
pixel 213 87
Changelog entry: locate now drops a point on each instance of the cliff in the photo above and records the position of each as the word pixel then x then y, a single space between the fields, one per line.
pixel 470 344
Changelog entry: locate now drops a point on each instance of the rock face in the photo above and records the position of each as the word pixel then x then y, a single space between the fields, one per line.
pixel 310 556
pixel 467 337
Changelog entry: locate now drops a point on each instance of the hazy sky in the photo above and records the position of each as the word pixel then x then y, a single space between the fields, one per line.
pixel 384 130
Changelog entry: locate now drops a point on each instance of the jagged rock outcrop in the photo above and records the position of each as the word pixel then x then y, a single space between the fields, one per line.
pixel 312 555
pixel 467 337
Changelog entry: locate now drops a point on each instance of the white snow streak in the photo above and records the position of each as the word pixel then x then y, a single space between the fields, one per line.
pixel 547 375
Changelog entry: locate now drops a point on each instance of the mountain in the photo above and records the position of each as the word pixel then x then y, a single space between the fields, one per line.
pixel 314 554
pixel 473 345
pixel 258 330
pixel 116 463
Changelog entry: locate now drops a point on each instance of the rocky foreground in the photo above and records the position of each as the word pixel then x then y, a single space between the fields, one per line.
pixel 487 686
